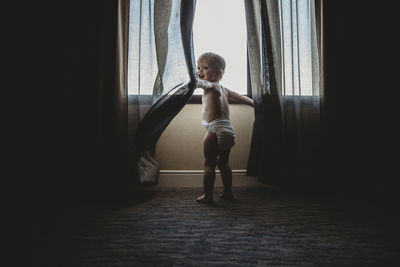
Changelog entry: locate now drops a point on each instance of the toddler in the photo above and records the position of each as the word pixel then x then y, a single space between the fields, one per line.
pixel 220 135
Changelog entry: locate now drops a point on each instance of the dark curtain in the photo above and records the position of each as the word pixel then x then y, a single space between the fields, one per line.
pixel 359 117
pixel 82 129
pixel 82 145
pixel 286 144
pixel 161 76
pixel 79 146
pixel 266 145
pixel 77 157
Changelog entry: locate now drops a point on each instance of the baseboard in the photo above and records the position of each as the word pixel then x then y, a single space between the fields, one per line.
pixel 194 178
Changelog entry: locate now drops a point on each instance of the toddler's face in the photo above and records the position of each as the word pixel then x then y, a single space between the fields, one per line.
pixel 205 72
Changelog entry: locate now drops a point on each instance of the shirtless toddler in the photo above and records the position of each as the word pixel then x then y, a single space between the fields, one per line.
pixel 220 136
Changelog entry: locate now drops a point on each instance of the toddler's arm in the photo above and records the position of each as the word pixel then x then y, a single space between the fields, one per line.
pixel 205 84
pixel 233 96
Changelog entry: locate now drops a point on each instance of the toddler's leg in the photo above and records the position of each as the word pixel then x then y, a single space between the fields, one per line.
pixel 210 156
pixel 226 175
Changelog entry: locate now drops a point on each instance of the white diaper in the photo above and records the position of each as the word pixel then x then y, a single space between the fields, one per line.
pixel 224 131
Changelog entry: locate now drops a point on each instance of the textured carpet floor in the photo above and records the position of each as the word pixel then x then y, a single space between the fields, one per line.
pixel 262 227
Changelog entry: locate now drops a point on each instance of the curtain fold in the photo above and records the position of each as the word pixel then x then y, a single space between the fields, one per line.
pixel 161 74
pixel 286 142
pixel 121 94
pixel 266 144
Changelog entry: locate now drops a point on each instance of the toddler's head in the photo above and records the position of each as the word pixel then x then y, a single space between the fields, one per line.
pixel 210 67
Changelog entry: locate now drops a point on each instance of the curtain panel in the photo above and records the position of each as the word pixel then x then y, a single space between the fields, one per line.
pixel 161 75
pixel 286 142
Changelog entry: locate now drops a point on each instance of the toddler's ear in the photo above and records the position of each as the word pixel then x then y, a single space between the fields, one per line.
pixel 220 74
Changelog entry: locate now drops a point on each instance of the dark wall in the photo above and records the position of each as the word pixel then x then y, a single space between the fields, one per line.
pixel 359 80
pixel 71 160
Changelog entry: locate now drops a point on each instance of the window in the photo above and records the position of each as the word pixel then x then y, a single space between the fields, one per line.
pixel 220 26
pixel 296 47
pixel 142 61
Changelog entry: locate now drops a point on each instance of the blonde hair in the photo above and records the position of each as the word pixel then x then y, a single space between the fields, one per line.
pixel 216 62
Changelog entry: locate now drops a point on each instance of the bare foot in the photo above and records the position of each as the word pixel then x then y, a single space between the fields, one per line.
pixel 204 199
pixel 227 196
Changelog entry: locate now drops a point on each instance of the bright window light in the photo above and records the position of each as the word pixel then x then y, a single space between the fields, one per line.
pixel 220 27
pixel 296 47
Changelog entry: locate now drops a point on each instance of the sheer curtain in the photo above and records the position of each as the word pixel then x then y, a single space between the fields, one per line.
pixel 285 81
pixel 161 74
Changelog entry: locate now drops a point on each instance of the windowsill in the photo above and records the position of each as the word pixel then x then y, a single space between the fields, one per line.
pixel 196 99
pixel 147 99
